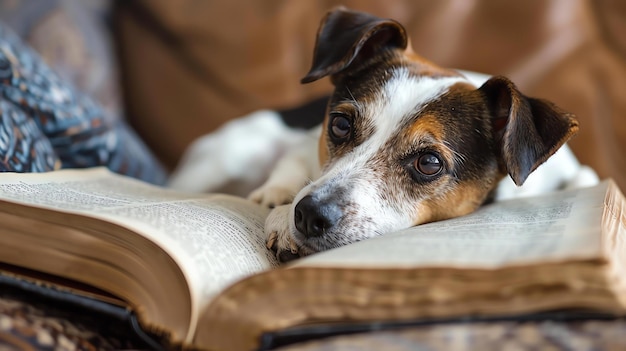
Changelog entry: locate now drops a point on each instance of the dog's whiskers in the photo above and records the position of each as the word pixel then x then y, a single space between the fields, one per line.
pixel 457 158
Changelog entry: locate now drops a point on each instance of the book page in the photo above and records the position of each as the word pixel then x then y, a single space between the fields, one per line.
pixel 557 226
pixel 216 239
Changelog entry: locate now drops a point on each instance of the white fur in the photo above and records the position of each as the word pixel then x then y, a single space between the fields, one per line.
pixel 243 151
pixel 291 173
pixel 402 96
pixel 561 171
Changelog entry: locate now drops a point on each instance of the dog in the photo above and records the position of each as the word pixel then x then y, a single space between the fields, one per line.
pixel 404 142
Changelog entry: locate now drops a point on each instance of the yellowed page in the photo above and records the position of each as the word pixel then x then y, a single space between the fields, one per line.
pixel 215 239
pixel 553 227
pixel 614 239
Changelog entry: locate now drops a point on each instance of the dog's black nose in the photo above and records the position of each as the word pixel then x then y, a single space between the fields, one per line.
pixel 313 218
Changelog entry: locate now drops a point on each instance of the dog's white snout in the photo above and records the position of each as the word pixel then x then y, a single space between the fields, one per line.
pixel 313 218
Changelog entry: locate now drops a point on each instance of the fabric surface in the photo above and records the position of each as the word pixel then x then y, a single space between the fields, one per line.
pixel 213 61
pixel 26 326
pixel 48 124
pixel 547 335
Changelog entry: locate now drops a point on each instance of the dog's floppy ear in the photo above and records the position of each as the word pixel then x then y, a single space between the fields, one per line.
pixel 527 130
pixel 346 35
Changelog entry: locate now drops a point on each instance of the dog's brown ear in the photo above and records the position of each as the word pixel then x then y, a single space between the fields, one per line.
pixel 527 130
pixel 346 35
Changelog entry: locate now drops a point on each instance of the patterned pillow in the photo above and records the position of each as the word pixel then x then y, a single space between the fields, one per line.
pixel 47 124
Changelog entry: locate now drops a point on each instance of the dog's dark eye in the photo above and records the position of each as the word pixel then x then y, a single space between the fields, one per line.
pixel 428 164
pixel 340 127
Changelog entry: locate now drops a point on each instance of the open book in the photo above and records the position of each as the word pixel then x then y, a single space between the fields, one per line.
pixel 195 266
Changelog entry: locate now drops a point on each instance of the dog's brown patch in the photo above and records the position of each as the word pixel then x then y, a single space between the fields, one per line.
pixel 426 125
pixel 428 132
pixel 322 145
pixel 423 67
pixel 462 200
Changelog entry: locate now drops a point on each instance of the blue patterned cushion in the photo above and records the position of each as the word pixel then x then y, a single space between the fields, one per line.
pixel 47 124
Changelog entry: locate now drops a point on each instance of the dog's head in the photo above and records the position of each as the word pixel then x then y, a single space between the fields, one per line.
pixel 406 142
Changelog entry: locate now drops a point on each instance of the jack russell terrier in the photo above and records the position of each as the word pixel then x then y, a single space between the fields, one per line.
pixel 403 142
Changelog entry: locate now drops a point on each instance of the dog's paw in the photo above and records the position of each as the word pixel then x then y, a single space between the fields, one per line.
pixel 272 196
pixel 279 238
pixel 284 248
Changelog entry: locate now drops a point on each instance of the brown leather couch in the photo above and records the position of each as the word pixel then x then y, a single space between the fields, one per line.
pixel 189 66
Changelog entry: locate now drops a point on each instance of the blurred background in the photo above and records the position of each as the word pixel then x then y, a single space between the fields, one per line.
pixel 176 70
